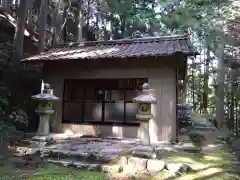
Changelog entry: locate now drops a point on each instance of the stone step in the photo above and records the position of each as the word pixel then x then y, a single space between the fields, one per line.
pixel 133 164
pixel 44 152
pixel 108 168
pixel 125 164
pixel 77 155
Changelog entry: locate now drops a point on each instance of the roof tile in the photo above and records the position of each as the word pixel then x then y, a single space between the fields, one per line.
pixel 142 47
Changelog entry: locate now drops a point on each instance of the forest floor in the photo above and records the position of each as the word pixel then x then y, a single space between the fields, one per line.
pixel 220 162
pixel 48 172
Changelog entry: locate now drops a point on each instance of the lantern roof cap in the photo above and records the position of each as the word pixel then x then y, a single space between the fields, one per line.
pixel 46 94
pixel 43 96
pixel 146 95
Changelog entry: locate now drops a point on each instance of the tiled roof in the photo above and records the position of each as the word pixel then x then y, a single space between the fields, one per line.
pixel 124 48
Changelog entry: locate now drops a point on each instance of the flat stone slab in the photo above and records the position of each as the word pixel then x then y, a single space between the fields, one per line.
pixel 109 168
pixel 101 149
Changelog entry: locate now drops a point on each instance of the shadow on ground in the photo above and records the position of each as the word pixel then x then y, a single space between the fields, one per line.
pixel 217 161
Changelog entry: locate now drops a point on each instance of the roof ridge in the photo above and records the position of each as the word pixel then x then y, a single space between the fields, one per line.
pixel 125 41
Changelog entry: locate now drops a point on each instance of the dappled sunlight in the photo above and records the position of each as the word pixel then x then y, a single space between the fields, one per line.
pixel 212 158
pixel 153 125
pixel 201 174
pixel 182 159
pixel 117 131
pixel 68 132
pixel 212 145
pixel 193 158
pixel 195 162
pixel 77 53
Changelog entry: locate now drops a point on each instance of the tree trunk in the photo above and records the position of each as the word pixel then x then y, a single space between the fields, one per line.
pixel 232 100
pixel 19 33
pixel 54 28
pixel 42 25
pixel 123 25
pixel 193 90
pixel 80 22
pixel 220 88
pixel 30 14
pixel 205 84
pixel 111 28
pixel 65 33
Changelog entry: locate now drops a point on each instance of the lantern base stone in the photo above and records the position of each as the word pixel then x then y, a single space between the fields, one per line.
pixel 40 138
pixel 144 151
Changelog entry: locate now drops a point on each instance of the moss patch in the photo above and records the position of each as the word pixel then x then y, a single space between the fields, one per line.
pixel 49 172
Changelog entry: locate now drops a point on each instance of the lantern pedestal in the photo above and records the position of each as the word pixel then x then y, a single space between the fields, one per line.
pixel 144 130
pixel 144 100
pixel 144 149
pixel 144 133
pixel 43 127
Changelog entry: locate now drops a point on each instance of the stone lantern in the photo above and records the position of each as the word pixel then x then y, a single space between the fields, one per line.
pixel 145 100
pixel 44 110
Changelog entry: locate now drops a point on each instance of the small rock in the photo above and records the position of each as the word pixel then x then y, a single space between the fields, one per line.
pixel 138 163
pixel 179 168
pixel 154 165
pixel 66 164
pixel 93 167
pixel 173 168
pixel 123 161
pixel 80 165
pixel 185 168
pixel 111 168
pixel 120 169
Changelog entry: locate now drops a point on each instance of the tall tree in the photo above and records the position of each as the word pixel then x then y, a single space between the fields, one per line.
pixel 19 33
pixel 80 21
pixel 220 87
pixel 42 25
pixel 30 15
pixel 206 78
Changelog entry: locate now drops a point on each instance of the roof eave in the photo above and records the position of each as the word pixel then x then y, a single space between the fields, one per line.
pixel 193 53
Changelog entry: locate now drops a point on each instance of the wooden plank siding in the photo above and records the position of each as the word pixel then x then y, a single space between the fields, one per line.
pixel 161 76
